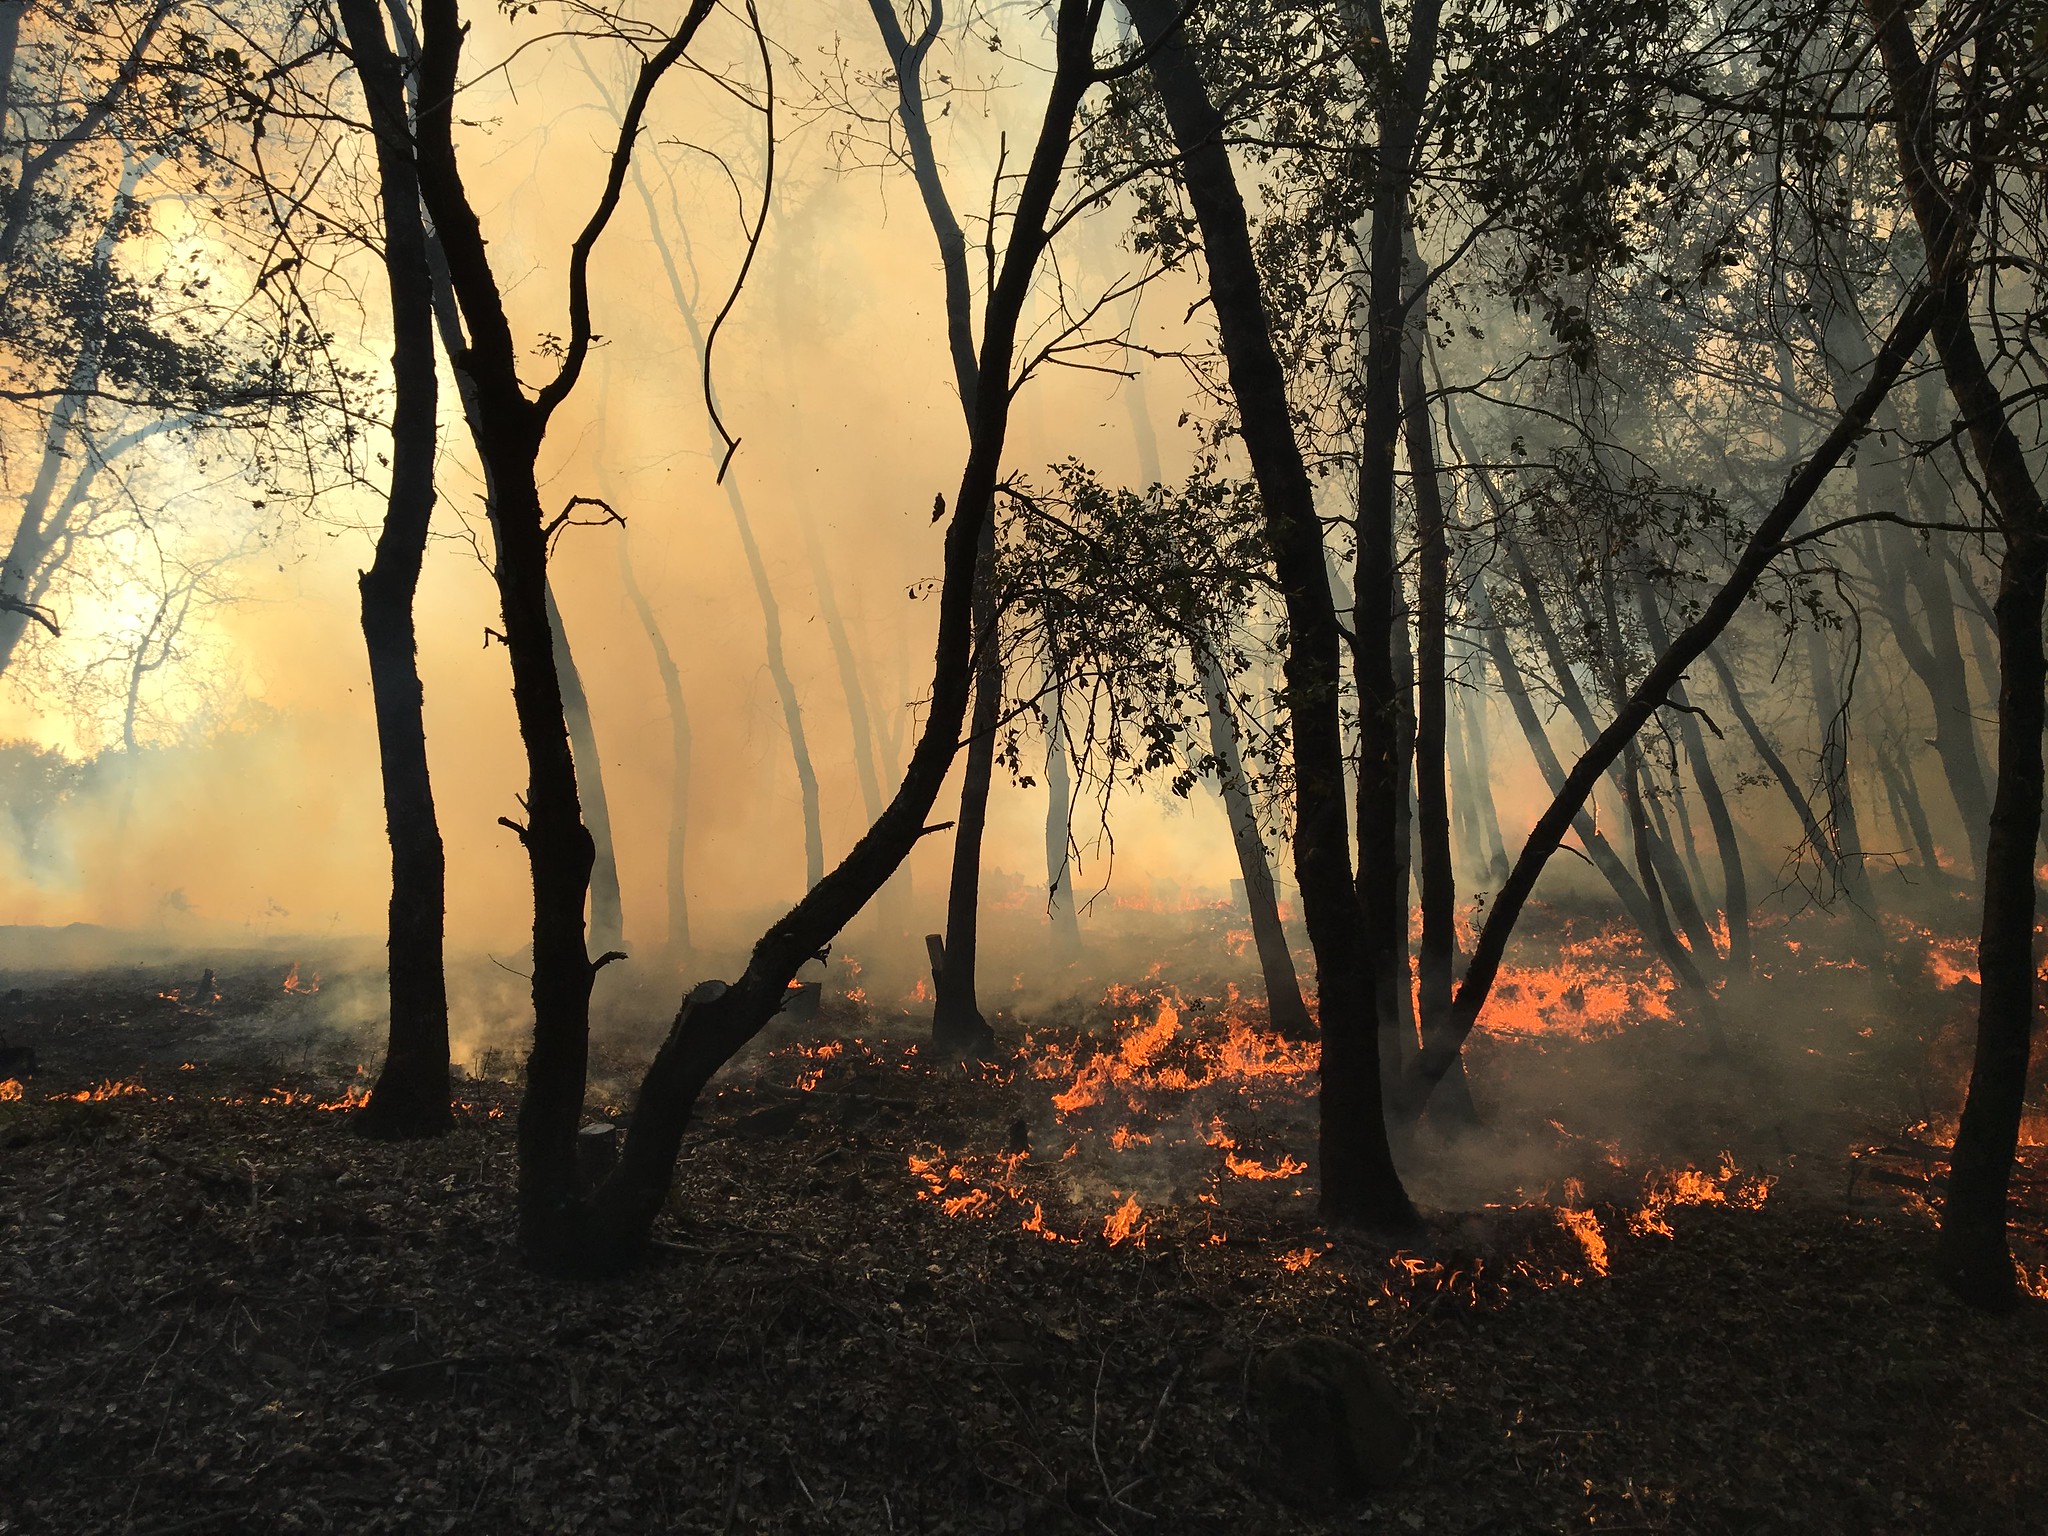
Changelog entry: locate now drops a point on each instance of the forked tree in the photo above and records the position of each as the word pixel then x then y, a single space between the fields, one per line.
pixel 564 1225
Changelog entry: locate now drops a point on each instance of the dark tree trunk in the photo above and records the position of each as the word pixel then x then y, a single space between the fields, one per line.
pixel 1765 544
pixel 957 1025
pixel 1359 1181
pixel 411 1097
pixel 1976 1259
pixel 1382 852
pixel 509 427
pixel 958 1029
pixel 1438 953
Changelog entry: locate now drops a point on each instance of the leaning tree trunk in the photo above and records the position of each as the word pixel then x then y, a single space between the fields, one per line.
pixel 612 1227
pixel 1976 1259
pixel 1285 1010
pixel 1359 1181
pixel 1766 542
pixel 607 918
pixel 411 1096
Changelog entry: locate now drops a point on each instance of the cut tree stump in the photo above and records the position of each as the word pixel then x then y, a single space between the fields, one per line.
pixel 1331 1425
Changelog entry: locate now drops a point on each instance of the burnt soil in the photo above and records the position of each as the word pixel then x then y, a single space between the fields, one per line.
pixel 222 1312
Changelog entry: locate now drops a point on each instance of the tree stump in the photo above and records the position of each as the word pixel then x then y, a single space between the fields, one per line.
pixel 1331 1425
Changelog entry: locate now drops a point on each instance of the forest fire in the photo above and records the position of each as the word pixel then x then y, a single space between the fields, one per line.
pixel 1408 644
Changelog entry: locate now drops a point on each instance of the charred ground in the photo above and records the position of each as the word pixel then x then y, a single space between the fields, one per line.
pixel 870 1313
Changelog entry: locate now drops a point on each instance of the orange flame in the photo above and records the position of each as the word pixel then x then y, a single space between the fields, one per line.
pixel 1126 1223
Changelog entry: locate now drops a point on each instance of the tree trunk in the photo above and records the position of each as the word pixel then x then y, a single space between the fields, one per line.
pixel 715 1020
pixel 1898 565
pixel 1060 910
pixel 1285 1009
pixel 1765 544
pixel 509 427
pixel 607 918
pixel 1975 1257
pixel 1599 851
pixel 958 1029
pixel 1477 781
pixel 1382 854
pixel 1359 1182
pixel 411 1096
pixel 676 945
pixel 1734 884
pixel 1438 955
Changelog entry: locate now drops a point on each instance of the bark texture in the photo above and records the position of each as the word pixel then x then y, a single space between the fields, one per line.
pixel 1359 1182
pixel 411 1095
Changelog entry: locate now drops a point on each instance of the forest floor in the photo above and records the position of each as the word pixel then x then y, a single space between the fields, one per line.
pixel 1674 1285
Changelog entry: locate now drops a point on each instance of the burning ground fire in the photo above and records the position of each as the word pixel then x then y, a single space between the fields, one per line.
pixel 1165 1127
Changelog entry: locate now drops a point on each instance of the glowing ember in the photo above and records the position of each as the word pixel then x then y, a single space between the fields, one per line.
pixel 10 1091
pixel 1294 1262
pixel 106 1090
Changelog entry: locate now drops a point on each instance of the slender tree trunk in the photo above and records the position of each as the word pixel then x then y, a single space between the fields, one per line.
pixel 958 1028
pixel 1059 866
pixel 1898 565
pixel 1382 857
pixel 1734 884
pixel 957 1025
pixel 676 945
pixel 1359 1181
pixel 1795 795
pixel 1285 1009
pixel 1599 851
pixel 411 1096
pixel 1438 955
pixel 715 1020
pixel 607 920
pixel 1976 1259
pixel 1479 764
pixel 757 568
pixel 1650 695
